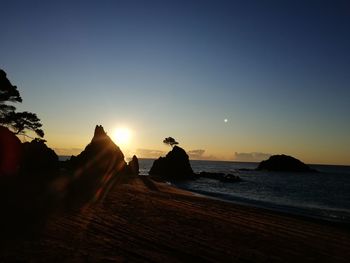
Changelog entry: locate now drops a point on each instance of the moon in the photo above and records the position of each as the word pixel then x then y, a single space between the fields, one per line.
pixel 225 120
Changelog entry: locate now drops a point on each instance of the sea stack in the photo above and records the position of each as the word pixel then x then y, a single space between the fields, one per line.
pixel 133 166
pixel 96 166
pixel 284 163
pixel 174 166
pixel 100 152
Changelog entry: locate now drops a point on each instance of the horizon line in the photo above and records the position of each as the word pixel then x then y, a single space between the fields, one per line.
pixel 211 160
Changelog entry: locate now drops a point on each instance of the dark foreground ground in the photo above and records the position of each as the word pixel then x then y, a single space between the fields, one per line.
pixel 140 220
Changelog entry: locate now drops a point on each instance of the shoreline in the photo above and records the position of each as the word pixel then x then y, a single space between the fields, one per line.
pixel 299 212
pixel 141 220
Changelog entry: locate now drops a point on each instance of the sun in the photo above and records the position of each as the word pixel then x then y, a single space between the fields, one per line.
pixel 122 136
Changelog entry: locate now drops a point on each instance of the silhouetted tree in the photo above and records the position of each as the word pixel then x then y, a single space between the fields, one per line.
pixel 8 92
pixel 17 121
pixel 170 141
pixel 21 121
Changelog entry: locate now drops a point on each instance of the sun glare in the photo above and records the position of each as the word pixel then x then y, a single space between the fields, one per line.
pixel 121 136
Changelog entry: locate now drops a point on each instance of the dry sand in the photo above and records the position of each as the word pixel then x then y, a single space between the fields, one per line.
pixel 146 221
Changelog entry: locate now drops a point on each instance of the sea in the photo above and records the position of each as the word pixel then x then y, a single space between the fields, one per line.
pixel 322 195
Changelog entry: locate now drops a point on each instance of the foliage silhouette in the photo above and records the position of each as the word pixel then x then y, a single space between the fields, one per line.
pixel 18 122
pixel 170 141
pixel 8 92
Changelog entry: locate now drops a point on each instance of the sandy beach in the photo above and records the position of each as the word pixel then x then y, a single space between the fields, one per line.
pixel 141 220
pixel 175 131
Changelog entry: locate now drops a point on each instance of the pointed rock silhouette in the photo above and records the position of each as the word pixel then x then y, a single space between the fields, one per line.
pixel 133 166
pixel 96 166
pixel 101 152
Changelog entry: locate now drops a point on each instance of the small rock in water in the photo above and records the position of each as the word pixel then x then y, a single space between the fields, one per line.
pixel 226 178
pixel 231 178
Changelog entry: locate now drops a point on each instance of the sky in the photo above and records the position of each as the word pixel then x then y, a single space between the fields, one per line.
pixel 229 80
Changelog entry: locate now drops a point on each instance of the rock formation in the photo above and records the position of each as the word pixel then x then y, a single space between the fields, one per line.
pixel 133 166
pixel 10 152
pixel 28 157
pixel 174 166
pixel 284 163
pixel 37 157
pixel 101 152
pixel 230 178
pixel 225 178
pixel 96 166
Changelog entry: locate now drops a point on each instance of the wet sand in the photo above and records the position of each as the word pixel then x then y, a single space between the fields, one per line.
pixel 141 220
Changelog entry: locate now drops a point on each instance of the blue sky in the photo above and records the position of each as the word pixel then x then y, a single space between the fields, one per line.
pixel 279 72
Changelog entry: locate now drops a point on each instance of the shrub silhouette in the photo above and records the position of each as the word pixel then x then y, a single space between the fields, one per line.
pixel 170 141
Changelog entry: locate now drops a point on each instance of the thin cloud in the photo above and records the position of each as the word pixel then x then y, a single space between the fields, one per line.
pixel 149 153
pixel 251 157
pixel 196 154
